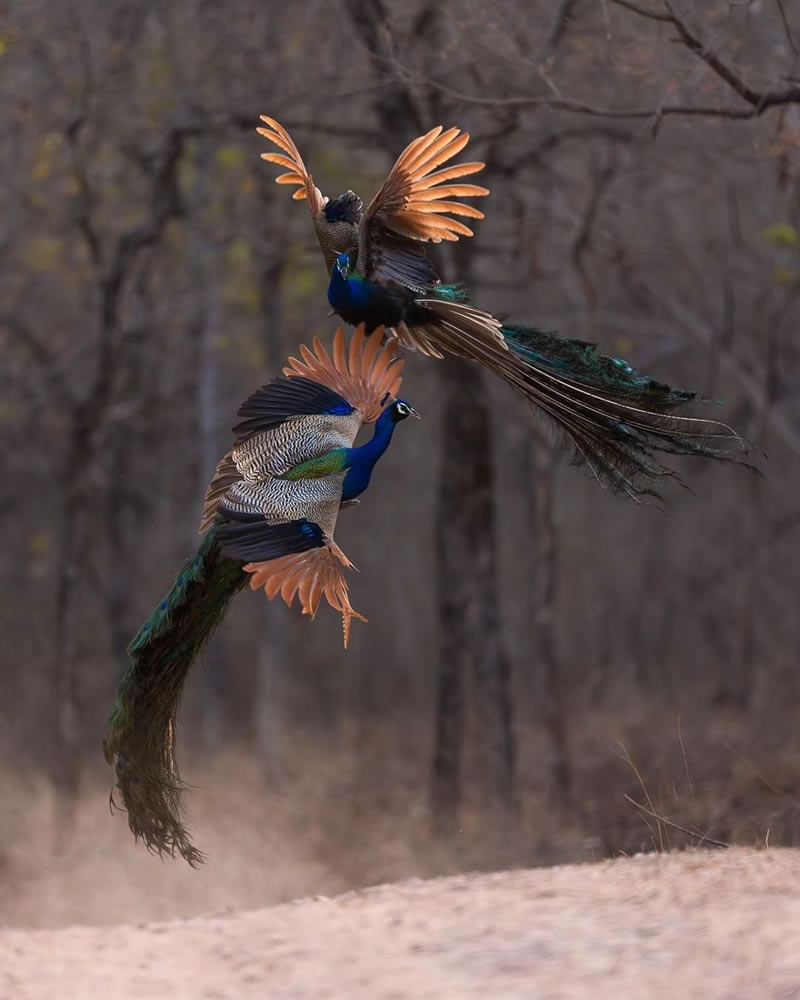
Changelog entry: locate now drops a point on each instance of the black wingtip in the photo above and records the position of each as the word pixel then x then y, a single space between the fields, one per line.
pixel 251 538
pixel 283 398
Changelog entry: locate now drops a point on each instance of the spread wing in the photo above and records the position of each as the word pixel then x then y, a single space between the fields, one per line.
pixel 286 422
pixel 413 207
pixel 309 576
pixel 335 221
pixel 291 159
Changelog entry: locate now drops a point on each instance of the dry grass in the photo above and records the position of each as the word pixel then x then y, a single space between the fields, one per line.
pixel 353 812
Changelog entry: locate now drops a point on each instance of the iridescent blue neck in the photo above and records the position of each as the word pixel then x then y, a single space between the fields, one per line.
pixel 360 461
pixel 358 300
pixel 347 294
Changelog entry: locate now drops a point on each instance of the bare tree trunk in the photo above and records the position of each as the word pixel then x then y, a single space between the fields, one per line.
pixel 120 444
pixel 470 629
pixel 206 329
pixel 88 418
pixel 455 595
pixel 545 459
pixel 269 698
pixel 126 505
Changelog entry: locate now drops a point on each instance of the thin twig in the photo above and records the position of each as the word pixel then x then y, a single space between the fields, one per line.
pixel 769 100
pixel 40 352
pixel 759 775
pixel 702 838
pixel 685 761
pixel 759 101
pixel 623 753
pixel 787 28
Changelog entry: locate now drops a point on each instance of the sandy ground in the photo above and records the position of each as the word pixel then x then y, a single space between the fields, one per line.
pixel 722 925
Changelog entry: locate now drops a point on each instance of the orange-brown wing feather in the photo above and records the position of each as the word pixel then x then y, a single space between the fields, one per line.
pixel 415 191
pixel 309 576
pixel 363 375
pixel 293 161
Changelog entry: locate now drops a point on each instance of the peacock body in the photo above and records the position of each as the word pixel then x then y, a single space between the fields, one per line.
pixel 269 517
pixel 619 423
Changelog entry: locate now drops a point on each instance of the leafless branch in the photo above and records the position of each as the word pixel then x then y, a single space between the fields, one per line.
pixel 760 774
pixel 787 27
pixel 759 100
pixel 601 181
pixel 704 332
pixel 701 838
pixel 41 355
pixel 622 751
pixel 536 153
pixel 652 15
pixel 563 16
pixel 84 215
pixel 769 100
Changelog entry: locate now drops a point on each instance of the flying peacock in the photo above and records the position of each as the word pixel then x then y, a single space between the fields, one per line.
pixel 268 518
pixel 617 420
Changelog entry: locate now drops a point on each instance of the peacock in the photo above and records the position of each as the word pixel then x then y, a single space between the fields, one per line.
pixel 618 421
pixel 268 519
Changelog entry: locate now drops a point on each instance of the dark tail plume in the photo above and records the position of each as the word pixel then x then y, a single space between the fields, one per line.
pixel 140 739
pixel 618 421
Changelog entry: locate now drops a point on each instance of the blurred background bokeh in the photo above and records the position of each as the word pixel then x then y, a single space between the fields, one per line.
pixel 549 673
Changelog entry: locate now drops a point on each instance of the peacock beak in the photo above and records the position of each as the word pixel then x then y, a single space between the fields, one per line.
pixel 413 413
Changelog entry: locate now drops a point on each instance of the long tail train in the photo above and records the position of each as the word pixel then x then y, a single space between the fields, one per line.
pixel 140 739
pixel 617 421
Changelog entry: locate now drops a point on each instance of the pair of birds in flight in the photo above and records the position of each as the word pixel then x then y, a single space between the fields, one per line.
pixel 272 505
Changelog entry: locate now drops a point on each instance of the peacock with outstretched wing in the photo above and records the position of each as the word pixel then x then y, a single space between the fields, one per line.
pixel 619 422
pixel 268 519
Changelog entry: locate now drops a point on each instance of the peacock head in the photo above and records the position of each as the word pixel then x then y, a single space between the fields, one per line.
pixel 348 208
pixel 399 410
pixel 343 265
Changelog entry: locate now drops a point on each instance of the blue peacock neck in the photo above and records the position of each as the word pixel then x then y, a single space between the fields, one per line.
pixel 347 295
pixel 358 300
pixel 361 461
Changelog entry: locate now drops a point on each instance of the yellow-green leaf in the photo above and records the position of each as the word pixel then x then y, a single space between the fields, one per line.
pixel 44 253
pixel 239 255
pixel 230 157
pixel 780 234
pixel 785 275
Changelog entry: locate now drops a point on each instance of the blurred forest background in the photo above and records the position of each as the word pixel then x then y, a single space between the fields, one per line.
pixel 549 673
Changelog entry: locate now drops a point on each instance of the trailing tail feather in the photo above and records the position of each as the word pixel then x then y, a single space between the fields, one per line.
pixel 617 421
pixel 140 739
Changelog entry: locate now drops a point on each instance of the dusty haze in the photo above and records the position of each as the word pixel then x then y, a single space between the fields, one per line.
pixel 545 666
pixel 720 925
